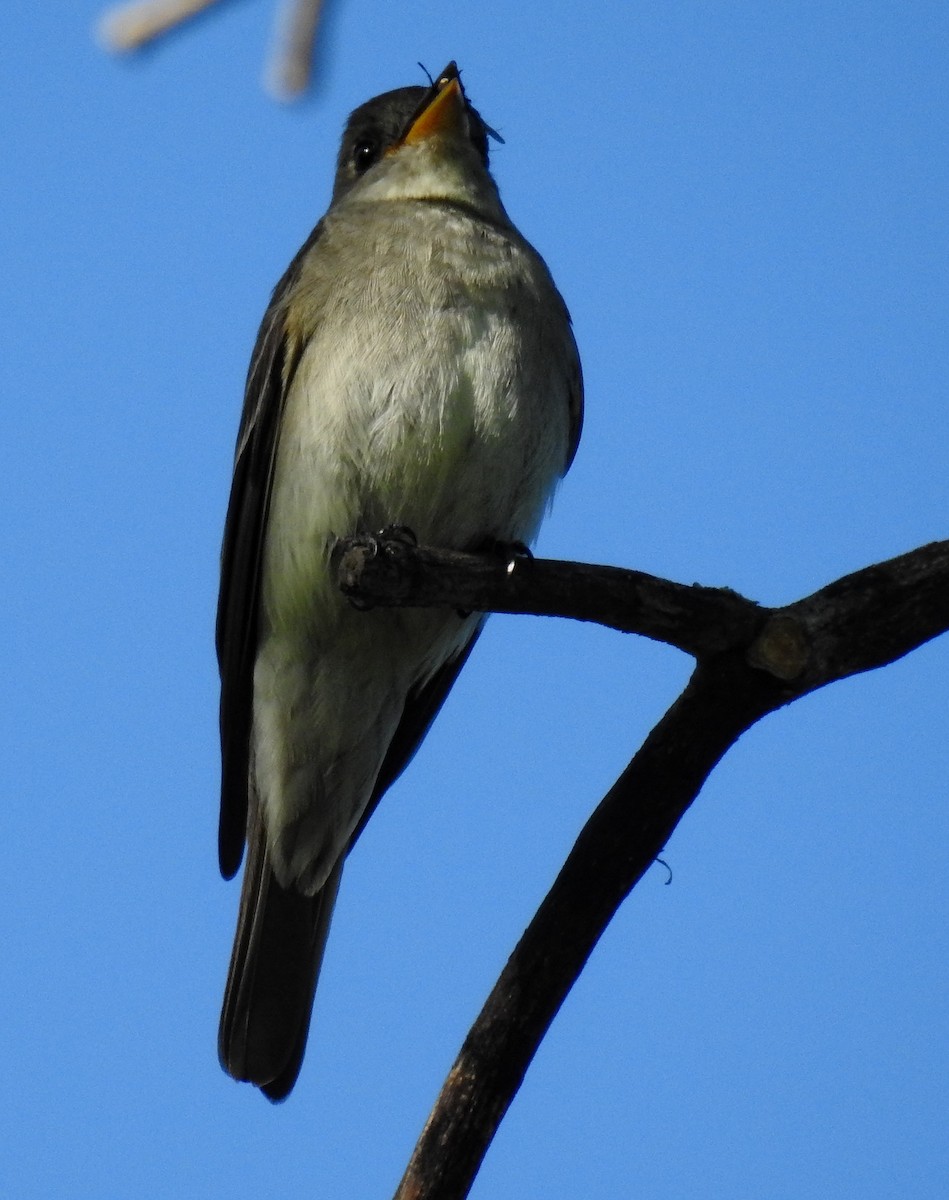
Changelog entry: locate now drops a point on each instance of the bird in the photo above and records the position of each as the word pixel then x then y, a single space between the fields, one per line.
pixel 415 368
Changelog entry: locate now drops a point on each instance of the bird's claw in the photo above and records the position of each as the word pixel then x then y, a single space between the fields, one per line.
pixel 397 533
pixel 375 543
pixel 504 549
pixel 384 541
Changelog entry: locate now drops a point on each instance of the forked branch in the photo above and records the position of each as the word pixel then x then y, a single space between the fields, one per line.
pixel 750 661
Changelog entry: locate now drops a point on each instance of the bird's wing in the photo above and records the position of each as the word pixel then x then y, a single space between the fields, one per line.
pixel 271 371
pixel 574 400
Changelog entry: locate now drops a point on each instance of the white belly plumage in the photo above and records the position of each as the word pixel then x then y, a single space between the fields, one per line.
pixel 439 427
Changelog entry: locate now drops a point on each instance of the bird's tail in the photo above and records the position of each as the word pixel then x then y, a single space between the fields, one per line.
pixel 278 949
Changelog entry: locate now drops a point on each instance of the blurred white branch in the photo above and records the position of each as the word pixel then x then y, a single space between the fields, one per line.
pixel 291 66
pixel 131 26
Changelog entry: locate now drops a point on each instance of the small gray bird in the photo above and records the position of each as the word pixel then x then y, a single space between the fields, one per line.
pixel 416 367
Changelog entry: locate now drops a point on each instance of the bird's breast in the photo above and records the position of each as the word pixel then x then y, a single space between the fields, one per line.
pixel 432 392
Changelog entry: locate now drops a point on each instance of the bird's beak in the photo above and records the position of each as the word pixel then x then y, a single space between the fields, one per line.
pixel 442 112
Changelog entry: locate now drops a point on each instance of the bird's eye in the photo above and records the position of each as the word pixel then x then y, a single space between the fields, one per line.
pixel 365 153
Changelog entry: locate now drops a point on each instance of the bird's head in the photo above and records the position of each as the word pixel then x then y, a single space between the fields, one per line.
pixel 418 143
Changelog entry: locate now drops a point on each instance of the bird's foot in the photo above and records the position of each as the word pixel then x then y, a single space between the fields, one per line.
pixel 398 533
pixel 509 551
pixel 385 542
pixel 375 543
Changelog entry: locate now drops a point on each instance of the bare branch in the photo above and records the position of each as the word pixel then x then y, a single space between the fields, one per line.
pixel 289 72
pixel 388 572
pixel 131 26
pixel 862 621
pixel 291 65
pixel 874 616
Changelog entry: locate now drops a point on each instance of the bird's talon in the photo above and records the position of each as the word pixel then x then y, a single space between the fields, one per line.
pixel 503 549
pixel 401 534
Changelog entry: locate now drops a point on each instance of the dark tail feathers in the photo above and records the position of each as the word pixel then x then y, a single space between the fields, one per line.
pixel 275 962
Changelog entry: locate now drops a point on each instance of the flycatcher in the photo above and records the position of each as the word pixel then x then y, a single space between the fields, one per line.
pixel 415 367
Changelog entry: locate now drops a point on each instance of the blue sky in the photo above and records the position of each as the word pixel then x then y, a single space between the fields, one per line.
pixel 745 206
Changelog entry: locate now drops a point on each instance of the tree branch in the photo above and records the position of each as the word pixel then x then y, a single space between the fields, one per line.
pixel 751 661
pixel 388 572
pixel 132 26
pixel 291 64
